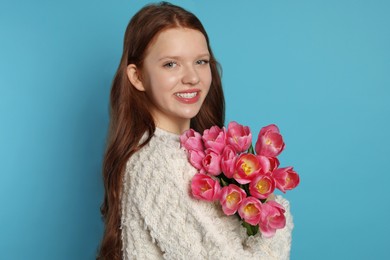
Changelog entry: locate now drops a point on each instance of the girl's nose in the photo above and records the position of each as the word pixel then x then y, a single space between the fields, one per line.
pixel 191 76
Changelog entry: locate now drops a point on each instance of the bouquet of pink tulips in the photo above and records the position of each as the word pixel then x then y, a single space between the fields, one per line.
pixel 243 179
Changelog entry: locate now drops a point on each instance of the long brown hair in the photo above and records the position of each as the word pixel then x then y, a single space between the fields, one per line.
pixel 130 117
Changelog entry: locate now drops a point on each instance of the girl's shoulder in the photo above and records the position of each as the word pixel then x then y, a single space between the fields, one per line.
pixel 162 154
pixel 160 161
pixel 162 148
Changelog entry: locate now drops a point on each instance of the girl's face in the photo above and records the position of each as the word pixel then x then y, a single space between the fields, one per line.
pixel 176 76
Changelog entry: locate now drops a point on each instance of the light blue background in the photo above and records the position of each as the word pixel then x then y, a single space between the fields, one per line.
pixel 318 69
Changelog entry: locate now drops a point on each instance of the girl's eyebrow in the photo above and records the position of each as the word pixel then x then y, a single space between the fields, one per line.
pixel 204 54
pixel 178 57
pixel 169 57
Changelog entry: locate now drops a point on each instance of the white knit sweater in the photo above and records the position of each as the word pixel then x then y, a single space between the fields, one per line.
pixel 160 219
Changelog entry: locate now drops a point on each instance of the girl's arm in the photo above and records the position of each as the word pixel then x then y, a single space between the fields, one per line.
pixel 181 226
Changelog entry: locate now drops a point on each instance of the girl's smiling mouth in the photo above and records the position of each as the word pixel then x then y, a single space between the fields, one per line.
pixel 188 97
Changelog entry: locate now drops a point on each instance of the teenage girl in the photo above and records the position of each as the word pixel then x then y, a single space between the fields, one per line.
pixel 167 82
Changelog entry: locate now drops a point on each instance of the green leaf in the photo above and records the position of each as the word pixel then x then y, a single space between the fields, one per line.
pixel 250 230
pixel 251 150
pixel 224 183
pixel 245 187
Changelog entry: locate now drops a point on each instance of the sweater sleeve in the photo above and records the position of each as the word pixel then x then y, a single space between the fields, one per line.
pixel 161 205
pixel 182 227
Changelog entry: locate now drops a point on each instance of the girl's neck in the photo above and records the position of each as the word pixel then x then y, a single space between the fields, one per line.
pixel 173 126
pixel 174 129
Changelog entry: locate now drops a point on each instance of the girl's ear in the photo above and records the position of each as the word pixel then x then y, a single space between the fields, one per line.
pixel 134 77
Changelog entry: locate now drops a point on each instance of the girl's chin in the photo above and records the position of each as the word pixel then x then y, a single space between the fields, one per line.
pixel 190 114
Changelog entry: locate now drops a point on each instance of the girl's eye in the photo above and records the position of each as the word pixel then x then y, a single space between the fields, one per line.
pixel 202 62
pixel 170 64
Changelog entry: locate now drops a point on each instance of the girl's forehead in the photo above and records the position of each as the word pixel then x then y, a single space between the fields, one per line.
pixel 178 42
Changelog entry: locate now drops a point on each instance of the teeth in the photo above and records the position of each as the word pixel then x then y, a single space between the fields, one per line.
pixel 186 95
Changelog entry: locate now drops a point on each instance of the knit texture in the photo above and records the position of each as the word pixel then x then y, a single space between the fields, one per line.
pixel 161 220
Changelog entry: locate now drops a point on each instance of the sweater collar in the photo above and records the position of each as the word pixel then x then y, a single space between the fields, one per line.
pixel 167 136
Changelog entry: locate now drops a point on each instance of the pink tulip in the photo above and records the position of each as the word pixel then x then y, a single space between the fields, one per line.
pixel 239 136
pixel 265 164
pixel 272 218
pixel 228 161
pixel 211 162
pixel 191 140
pixel 215 138
pixel 269 142
pixel 250 210
pixel 286 178
pixel 205 188
pixel 274 163
pixel 247 168
pixel 196 159
pixel 231 198
pixel 262 186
